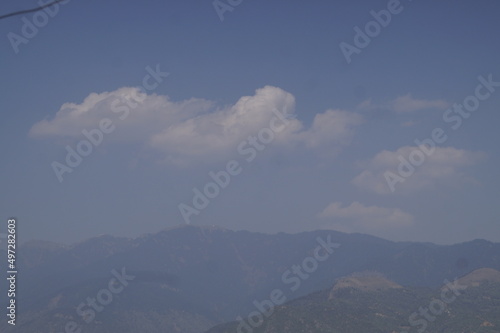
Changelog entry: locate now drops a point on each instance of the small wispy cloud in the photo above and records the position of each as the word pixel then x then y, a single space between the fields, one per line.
pixel 405 104
pixel 443 166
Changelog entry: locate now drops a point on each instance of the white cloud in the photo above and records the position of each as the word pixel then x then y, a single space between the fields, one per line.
pixel 442 167
pixel 332 126
pixel 136 115
pixel 360 218
pixel 405 104
pixel 195 129
pixel 221 131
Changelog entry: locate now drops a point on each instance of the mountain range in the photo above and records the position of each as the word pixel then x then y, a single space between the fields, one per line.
pixel 372 303
pixel 191 279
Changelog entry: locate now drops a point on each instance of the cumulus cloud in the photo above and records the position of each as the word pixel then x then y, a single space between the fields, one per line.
pixel 135 113
pixel 357 217
pixel 406 104
pixel 443 166
pixel 332 126
pixel 219 131
pixel 196 129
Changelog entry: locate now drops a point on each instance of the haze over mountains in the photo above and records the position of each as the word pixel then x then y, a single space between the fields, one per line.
pixel 189 279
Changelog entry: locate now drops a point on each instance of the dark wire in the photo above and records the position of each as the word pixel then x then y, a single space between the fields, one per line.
pixel 20 12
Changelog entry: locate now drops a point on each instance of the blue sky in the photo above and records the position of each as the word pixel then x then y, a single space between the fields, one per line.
pixel 348 124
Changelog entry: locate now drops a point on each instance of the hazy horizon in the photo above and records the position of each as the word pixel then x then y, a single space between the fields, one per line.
pixel 166 229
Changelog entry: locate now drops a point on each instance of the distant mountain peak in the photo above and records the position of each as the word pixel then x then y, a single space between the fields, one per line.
pixel 194 227
pixel 369 281
pixel 480 276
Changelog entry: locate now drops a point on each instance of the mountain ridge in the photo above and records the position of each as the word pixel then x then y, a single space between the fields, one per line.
pixel 215 274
